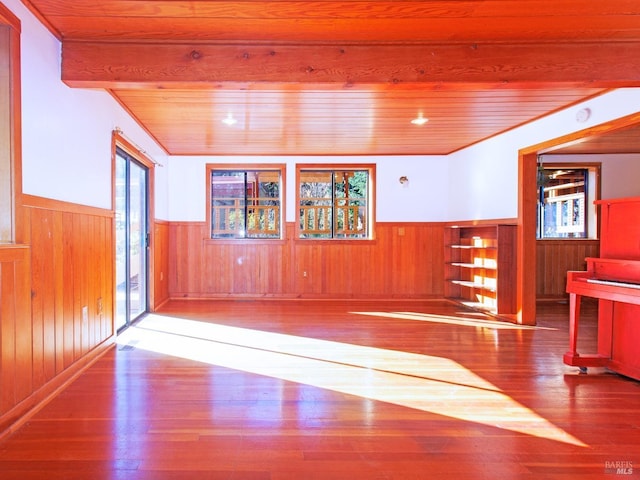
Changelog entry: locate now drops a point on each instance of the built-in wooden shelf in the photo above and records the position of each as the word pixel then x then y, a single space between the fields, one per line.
pixel 480 267
pixel 474 266
pixel 474 285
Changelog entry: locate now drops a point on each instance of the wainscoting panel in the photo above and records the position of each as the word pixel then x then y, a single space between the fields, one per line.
pixel 57 301
pixel 554 258
pixel 15 326
pixel 72 287
pixel 404 261
pixel 160 263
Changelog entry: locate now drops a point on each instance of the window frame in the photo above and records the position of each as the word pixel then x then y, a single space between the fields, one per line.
pixel 247 167
pixel 592 219
pixel 11 223
pixel 335 167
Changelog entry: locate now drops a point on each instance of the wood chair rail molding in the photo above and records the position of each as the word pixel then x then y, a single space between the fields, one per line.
pixel 34 201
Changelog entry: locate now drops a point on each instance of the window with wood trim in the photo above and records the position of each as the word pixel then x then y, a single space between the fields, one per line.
pixel 9 124
pixel 565 201
pixel 245 202
pixel 335 202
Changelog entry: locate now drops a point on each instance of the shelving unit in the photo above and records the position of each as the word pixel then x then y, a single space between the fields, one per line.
pixel 480 267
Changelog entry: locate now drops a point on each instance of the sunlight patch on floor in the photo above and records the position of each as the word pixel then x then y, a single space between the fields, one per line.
pixel 428 383
pixel 469 322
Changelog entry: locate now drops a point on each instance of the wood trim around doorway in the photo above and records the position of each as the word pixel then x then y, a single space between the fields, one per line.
pixel 526 238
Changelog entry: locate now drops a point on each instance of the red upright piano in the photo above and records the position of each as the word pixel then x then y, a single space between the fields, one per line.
pixel 614 279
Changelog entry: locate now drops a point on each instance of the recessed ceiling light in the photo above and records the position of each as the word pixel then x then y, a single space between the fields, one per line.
pixel 419 120
pixel 229 120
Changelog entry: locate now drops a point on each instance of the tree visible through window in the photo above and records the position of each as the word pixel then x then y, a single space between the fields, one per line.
pixel 334 203
pixel 245 203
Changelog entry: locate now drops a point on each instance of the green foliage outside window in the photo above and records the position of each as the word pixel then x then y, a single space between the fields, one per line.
pixel 333 204
pixel 245 204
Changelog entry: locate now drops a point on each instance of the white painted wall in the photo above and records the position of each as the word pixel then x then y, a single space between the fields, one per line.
pixel 484 178
pixel 66 133
pixel 424 200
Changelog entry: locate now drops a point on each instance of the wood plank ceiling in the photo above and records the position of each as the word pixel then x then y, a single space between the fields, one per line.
pixel 342 77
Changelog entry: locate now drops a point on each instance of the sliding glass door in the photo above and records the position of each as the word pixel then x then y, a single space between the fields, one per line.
pixel 131 219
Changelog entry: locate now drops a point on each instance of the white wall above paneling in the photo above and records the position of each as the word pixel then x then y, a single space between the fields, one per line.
pixel 484 177
pixel 423 200
pixel 66 133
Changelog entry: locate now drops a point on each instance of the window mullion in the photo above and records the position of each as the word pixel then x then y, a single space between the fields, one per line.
pixel 584 203
pixel 246 205
pixel 334 210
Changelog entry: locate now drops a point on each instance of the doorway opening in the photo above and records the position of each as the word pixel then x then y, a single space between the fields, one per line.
pixel 616 136
pixel 132 238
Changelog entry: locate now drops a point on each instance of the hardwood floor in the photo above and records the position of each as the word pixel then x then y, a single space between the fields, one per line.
pixel 334 390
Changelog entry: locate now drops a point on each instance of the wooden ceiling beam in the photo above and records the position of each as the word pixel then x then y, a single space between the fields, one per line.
pixel 212 65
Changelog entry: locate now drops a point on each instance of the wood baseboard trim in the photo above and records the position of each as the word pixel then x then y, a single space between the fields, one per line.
pixel 161 304
pixel 555 299
pixel 13 419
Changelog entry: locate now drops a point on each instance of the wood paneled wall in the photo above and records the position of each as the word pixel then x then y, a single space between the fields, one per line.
pixel 554 258
pixel 404 261
pixel 15 326
pixel 69 250
pixel 160 263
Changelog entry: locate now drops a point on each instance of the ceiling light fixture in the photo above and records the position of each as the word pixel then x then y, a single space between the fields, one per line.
pixel 419 120
pixel 229 120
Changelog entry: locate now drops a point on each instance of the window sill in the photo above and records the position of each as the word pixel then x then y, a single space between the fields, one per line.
pixel 563 240
pixel 334 241
pixel 245 241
